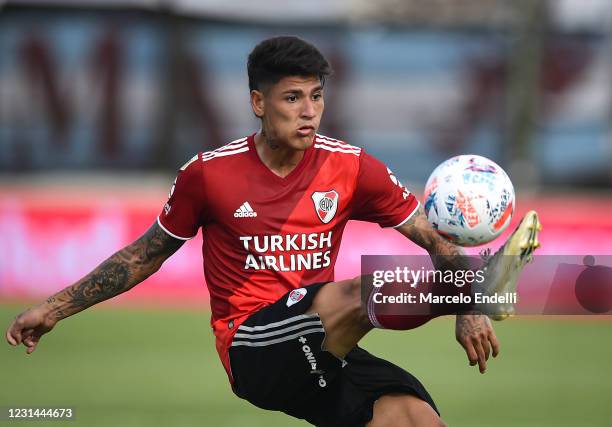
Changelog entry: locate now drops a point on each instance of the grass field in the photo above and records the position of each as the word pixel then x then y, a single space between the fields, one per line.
pixel 159 368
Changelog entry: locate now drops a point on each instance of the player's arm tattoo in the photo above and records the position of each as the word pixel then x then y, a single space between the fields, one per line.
pixel 444 254
pixel 119 273
pixel 419 230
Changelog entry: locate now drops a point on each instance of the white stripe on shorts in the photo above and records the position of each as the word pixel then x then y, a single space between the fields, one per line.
pixel 255 336
pixel 280 323
pixel 278 340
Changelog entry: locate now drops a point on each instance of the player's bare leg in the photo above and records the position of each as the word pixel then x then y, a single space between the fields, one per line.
pixel 402 410
pixel 342 314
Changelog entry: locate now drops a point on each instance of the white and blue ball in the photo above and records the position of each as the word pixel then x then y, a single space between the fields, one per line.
pixel 469 200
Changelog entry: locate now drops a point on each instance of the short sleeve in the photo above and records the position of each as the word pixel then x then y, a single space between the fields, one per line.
pixel 379 196
pixel 182 215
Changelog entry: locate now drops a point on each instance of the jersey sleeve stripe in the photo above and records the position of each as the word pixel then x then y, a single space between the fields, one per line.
pixel 190 161
pixel 416 209
pixel 235 141
pixel 336 149
pixel 211 155
pixel 337 144
pixel 225 148
pixel 229 146
pixel 172 234
pixel 232 145
pixel 332 141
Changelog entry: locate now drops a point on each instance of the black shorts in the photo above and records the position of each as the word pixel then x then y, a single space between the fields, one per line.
pixel 278 364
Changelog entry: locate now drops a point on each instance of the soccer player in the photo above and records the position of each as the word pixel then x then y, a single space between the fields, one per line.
pixel 272 207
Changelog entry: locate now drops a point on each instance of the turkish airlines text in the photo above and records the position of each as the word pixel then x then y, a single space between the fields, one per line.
pixel 277 251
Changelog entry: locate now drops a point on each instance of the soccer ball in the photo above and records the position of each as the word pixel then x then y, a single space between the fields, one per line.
pixel 469 200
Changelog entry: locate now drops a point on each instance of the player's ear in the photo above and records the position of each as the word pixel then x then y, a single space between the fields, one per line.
pixel 257 103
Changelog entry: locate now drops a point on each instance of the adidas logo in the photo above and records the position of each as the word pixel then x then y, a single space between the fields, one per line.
pixel 245 211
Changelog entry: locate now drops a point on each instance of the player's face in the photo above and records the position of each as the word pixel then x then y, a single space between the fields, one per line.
pixel 290 111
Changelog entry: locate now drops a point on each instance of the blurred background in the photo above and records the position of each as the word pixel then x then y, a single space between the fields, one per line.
pixel 102 101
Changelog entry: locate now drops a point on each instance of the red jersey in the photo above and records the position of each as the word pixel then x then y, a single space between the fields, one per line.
pixel 265 235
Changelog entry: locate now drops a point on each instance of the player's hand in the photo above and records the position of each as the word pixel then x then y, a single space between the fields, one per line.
pixel 28 327
pixel 476 335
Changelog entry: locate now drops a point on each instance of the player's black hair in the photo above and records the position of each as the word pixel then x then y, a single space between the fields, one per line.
pixel 283 56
